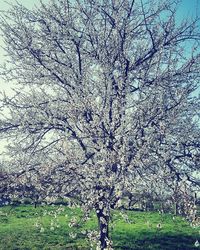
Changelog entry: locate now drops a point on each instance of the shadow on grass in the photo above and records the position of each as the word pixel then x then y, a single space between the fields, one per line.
pixel 152 241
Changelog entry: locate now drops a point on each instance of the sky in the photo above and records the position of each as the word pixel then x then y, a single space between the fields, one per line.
pixel 187 8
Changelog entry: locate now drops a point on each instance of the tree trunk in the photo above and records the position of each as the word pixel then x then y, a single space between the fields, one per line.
pixel 103 222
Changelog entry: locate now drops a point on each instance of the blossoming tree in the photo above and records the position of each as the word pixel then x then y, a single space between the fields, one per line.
pixel 104 98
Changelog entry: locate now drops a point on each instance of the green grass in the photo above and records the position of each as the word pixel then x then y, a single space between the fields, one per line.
pixel 18 230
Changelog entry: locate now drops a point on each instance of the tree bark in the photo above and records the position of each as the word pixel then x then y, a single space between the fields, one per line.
pixel 103 221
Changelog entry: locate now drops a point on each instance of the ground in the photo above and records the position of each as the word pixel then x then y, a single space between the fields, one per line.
pixel 49 228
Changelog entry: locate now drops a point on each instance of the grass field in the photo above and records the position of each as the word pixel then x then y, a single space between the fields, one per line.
pixel 47 227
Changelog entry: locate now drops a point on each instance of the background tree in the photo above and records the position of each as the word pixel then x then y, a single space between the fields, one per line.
pixel 104 95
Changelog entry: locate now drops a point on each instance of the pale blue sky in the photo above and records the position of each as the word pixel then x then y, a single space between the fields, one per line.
pixel 27 3
pixel 187 8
